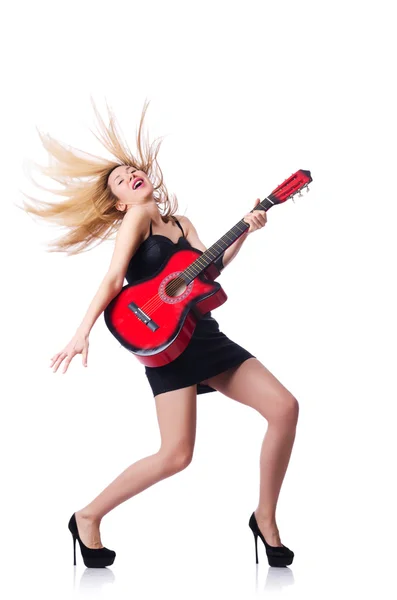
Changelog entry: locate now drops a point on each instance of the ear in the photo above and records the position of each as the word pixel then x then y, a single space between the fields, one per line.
pixel 120 206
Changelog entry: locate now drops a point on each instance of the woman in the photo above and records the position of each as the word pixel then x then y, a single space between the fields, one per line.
pixel 101 199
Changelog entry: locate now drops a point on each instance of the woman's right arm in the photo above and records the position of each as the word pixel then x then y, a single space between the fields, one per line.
pixel 129 237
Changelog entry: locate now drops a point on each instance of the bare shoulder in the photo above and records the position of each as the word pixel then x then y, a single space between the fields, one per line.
pixel 129 237
pixel 135 219
pixel 185 222
pixel 191 233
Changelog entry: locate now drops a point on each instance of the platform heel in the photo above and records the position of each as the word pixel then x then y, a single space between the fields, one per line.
pixel 92 557
pixel 277 556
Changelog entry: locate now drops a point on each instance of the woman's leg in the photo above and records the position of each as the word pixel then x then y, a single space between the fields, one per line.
pixel 251 383
pixel 176 414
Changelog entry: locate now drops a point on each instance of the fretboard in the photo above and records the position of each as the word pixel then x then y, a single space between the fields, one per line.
pixel 212 253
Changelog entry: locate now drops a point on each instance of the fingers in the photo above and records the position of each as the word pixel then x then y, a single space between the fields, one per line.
pixel 260 217
pixel 84 355
pixel 256 219
pixel 77 345
pixel 53 359
pixel 67 363
pixel 58 359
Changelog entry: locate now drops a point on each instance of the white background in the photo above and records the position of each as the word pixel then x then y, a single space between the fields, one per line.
pixel 246 93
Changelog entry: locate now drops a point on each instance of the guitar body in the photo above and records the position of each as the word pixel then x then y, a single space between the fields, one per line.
pixel 155 317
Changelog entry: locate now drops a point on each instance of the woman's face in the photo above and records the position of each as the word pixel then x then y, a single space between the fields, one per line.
pixel 122 181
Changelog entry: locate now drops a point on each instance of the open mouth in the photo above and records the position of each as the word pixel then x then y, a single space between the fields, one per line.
pixel 137 183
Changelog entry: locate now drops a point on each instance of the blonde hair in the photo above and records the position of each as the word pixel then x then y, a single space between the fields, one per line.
pixel 88 209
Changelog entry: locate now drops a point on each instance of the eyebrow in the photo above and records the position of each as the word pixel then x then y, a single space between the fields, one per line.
pixel 129 167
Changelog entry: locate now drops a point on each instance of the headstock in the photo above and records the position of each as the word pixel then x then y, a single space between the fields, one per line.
pixel 291 186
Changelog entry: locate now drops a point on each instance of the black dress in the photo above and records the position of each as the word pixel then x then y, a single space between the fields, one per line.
pixel 209 351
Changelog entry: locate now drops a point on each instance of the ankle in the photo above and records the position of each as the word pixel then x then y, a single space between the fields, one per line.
pixel 265 518
pixel 85 514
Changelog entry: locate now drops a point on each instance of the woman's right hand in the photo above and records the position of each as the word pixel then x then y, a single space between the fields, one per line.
pixel 77 345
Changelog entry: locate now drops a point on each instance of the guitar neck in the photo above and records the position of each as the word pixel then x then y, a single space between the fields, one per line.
pixel 210 255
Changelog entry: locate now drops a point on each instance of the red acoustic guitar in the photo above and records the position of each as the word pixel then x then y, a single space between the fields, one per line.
pixel 155 317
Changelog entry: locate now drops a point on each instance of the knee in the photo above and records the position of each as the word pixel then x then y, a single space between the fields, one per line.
pixel 288 410
pixel 177 458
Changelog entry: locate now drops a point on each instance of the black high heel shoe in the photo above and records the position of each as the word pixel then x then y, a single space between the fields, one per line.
pixel 92 557
pixel 277 556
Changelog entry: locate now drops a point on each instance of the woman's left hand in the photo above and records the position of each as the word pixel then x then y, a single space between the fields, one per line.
pixel 256 219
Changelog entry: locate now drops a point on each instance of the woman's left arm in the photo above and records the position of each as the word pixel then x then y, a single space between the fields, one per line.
pixel 256 220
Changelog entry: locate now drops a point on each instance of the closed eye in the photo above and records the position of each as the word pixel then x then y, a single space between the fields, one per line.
pixel 123 179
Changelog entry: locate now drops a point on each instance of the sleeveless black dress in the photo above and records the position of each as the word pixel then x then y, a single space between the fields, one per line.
pixel 209 351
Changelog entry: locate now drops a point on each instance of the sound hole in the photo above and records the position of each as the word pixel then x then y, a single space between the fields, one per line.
pixel 175 287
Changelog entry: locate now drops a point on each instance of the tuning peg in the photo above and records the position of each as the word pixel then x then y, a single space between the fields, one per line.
pixel 300 193
pixel 307 189
pixel 293 199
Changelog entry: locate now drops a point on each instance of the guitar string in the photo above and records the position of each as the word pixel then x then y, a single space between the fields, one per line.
pixel 153 303
pixel 156 301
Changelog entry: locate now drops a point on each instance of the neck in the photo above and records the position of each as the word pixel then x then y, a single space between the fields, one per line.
pixel 149 203
pixel 152 210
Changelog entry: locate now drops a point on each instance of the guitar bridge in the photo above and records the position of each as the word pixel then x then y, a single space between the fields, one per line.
pixel 142 316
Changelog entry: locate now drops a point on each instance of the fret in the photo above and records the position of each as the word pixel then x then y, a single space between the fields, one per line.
pixel 214 251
